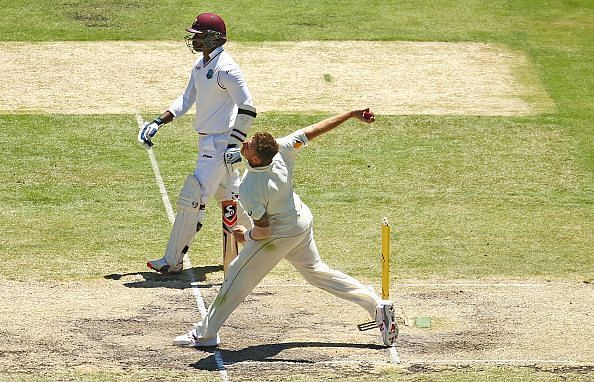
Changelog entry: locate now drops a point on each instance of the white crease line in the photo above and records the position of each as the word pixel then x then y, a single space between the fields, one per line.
pixel 282 362
pixel 474 285
pixel 512 362
pixel 158 177
pixel 394 357
pixel 187 264
pixel 196 288
pixel 444 362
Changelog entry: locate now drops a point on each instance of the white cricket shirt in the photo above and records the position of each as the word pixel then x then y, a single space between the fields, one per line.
pixel 217 87
pixel 270 189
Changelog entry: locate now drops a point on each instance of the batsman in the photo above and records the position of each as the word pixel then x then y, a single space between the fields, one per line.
pixel 224 115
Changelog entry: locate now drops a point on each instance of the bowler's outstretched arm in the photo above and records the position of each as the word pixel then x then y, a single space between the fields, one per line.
pixel 326 125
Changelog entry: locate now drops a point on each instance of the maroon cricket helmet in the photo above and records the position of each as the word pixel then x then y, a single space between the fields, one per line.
pixel 208 22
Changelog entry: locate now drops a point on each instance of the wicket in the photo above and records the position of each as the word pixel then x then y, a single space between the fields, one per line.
pixel 385 259
pixel 385 271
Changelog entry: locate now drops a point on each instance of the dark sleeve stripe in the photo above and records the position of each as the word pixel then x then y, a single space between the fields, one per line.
pixel 238 132
pixel 247 112
pixel 239 138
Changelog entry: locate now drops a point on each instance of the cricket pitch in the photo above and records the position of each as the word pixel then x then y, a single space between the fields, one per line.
pixel 286 325
pixel 395 78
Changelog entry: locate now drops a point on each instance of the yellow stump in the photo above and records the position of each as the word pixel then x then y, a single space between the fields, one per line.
pixel 385 259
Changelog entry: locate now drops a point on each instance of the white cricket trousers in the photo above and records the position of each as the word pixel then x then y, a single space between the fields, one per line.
pixel 213 177
pixel 258 258
pixel 210 169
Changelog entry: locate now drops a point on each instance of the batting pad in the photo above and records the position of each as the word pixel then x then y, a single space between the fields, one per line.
pixel 186 221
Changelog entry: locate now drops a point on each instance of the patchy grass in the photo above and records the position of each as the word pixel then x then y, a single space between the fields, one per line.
pixel 468 197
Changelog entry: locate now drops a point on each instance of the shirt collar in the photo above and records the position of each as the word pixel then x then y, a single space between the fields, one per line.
pixel 213 55
pixel 217 50
pixel 259 168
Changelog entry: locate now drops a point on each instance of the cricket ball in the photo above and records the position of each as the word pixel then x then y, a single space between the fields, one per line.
pixel 366 115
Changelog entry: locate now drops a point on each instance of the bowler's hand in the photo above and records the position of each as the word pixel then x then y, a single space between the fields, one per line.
pixel 238 233
pixel 364 115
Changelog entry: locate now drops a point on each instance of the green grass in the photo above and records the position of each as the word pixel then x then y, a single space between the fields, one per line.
pixel 557 35
pixel 80 191
pixel 467 197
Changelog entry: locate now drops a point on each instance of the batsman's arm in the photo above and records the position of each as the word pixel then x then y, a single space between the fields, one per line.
pixel 166 117
pixel 232 79
pixel 261 231
pixel 150 129
pixel 322 127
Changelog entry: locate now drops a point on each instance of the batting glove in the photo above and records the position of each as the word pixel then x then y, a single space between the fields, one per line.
pixel 232 157
pixel 146 134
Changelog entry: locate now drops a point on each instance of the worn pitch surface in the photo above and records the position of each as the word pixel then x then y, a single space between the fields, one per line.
pixel 308 76
pixel 127 323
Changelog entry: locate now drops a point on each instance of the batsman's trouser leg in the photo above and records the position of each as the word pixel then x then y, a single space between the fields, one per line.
pixel 197 190
pixel 210 167
pixel 256 260
pixel 306 259
pixel 187 221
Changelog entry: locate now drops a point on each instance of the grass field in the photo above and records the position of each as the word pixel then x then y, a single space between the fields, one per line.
pixel 470 198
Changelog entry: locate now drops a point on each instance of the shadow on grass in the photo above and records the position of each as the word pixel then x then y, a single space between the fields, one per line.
pixel 267 353
pixel 180 280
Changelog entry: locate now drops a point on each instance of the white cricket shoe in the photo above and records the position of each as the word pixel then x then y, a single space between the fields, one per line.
pixel 189 340
pixel 161 266
pixel 384 316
